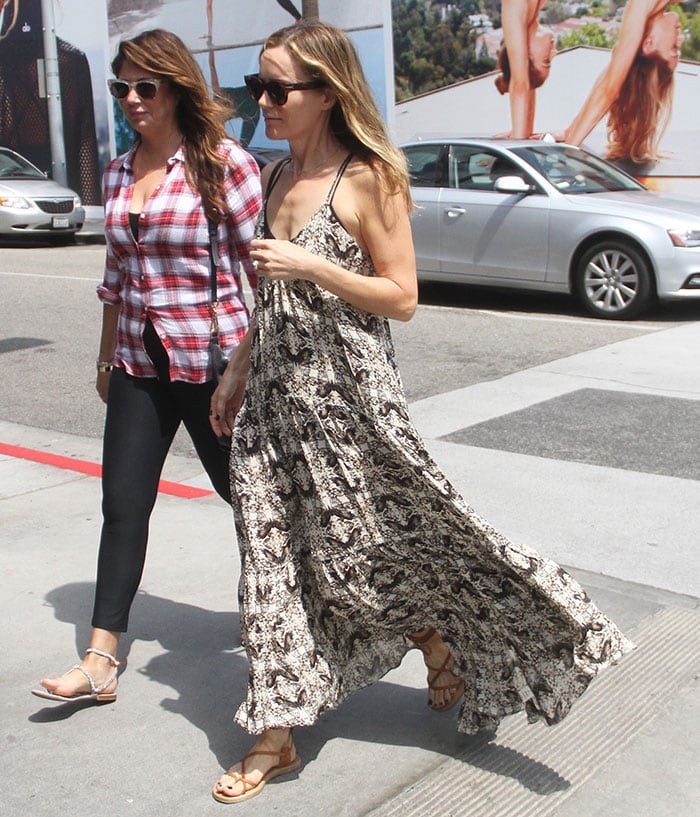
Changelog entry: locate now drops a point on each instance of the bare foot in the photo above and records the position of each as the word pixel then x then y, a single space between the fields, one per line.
pixel 273 754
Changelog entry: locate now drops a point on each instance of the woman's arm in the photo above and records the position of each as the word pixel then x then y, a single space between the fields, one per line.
pixel 108 293
pixel 108 345
pixel 243 196
pixel 379 223
pixel 607 86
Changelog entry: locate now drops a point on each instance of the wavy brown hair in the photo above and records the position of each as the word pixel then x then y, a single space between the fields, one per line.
pixel 327 54
pixel 640 114
pixel 200 116
pixel 502 81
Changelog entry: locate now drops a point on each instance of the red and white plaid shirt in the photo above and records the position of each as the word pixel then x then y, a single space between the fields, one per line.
pixel 165 276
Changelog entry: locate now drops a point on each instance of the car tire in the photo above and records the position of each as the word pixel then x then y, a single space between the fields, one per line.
pixel 614 280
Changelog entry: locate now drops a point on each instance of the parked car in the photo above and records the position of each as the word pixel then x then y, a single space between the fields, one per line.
pixel 32 204
pixel 544 216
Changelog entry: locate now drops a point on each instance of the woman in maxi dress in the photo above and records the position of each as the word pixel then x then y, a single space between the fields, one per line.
pixel 353 543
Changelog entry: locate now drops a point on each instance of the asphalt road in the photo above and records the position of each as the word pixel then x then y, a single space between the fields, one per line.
pixel 50 323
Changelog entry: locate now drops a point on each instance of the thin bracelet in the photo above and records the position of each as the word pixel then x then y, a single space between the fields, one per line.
pixel 104 366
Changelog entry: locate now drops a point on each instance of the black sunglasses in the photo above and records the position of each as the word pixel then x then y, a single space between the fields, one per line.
pixel 277 91
pixel 145 88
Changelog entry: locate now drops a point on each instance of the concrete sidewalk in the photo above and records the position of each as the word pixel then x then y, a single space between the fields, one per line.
pixel 628 533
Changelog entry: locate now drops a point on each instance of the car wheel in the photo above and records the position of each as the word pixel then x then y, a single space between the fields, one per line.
pixel 613 280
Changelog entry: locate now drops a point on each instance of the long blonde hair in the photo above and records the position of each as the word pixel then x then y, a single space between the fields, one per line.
pixel 640 114
pixel 200 117
pixel 327 54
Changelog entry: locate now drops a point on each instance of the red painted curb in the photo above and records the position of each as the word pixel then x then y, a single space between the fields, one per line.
pixel 93 469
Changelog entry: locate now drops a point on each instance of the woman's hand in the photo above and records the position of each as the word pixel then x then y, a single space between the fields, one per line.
pixel 281 260
pixel 228 397
pixel 102 385
pixel 226 401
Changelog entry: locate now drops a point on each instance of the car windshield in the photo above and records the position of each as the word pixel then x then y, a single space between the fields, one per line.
pixel 572 170
pixel 13 166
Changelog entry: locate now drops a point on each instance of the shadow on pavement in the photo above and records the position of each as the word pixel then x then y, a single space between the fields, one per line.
pixel 210 681
pixel 464 296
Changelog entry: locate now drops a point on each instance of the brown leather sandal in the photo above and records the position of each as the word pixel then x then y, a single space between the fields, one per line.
pixel 289 761
pixel 455 689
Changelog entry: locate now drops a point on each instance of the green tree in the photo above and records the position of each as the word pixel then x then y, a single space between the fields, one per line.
pixel 588 34
pixel 431 51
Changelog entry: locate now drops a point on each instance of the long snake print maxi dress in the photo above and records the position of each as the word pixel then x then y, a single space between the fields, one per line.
pixel 351 537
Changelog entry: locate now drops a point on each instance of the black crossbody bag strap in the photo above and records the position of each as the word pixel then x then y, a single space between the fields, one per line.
pixel 214 264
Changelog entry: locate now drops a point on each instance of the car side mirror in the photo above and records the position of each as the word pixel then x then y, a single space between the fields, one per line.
pixel 512 184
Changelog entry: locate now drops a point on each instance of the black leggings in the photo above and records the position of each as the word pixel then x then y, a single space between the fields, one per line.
pixel 143 415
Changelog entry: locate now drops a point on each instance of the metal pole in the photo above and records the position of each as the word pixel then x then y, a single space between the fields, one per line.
pixel 53 94
pixel 309 10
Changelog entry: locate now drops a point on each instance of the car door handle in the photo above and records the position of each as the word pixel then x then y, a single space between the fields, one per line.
pixel 453 212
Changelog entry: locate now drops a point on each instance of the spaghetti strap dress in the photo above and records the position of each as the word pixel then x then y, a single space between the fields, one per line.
pixel 351 537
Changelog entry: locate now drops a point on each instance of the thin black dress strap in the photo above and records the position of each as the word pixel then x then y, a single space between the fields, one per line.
pixel 274 176
pixel 271 182
pixel 338 176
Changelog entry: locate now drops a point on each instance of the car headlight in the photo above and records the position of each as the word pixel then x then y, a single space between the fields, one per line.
pixel 685 238
pixel 76 201
pixel 15 202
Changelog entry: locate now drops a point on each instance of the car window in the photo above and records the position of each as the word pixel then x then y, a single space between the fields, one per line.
pixel 474 168
pixel 572 170
pixel 470 168
pixel 13 166
pixel 426 165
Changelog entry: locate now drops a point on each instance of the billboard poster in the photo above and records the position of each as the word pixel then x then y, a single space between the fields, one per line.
pixel 620 78
pixel 633 94
pixel 226 36
pixel 24 111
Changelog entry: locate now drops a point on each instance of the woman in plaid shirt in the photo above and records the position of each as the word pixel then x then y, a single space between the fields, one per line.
pixel 154 367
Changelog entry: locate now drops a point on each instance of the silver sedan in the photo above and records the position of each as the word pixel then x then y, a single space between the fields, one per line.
pixel 33 205
pixel 542 216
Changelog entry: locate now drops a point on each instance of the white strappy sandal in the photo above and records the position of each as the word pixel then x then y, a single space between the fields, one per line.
pixel 97 692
